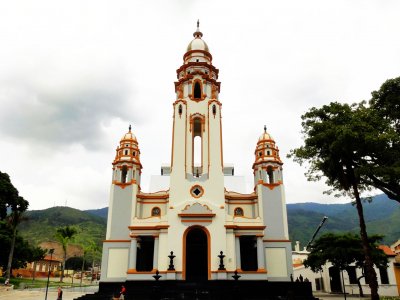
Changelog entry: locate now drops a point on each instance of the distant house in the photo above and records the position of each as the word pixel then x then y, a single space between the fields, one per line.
pixel 330 279
pixel 40 268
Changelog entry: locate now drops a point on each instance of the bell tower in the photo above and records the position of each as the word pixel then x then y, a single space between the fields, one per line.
pixel 125 185
pixel 197 133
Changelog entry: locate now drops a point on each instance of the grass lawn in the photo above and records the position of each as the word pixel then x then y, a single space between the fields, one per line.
pixel 41 282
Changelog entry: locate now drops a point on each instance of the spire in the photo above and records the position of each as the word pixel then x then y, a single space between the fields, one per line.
pixel 198 33
pixel 265 128
pixel 130 127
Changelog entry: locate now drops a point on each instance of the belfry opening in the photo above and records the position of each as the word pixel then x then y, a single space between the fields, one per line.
pixel 196 248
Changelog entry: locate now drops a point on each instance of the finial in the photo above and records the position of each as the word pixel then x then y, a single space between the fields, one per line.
pixel 130 127
pixel 265 128
pixel 198 33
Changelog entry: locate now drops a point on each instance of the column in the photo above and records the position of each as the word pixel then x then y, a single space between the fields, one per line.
pixel 155 253
pixel 237 250
pixel 132 253
pixel 260 253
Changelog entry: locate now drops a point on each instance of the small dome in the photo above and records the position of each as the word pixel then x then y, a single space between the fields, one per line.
pixel 129 135
pixel 198 44
pixel 265 135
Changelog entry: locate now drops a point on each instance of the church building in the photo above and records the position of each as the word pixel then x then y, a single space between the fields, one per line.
pixel 197 228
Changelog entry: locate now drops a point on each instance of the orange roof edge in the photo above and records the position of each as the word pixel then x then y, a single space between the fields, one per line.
pixel 387 250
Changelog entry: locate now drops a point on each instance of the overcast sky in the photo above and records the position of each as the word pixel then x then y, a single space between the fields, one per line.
pixel 75 74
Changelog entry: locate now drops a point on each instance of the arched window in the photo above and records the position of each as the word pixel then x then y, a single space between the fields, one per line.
pixel 214 110
pixel 180 109
pixel 126 152
pixel 156 212
pixel 124 174
pixel 197 90
pixel 270 174
pixel 197 147
pixel 238 212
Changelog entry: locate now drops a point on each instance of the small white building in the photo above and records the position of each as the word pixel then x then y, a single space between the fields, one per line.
pixel 330 279
pixel 202 213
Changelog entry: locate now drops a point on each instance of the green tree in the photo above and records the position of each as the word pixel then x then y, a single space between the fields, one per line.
pixel 343 250
pixel 381 168
pixel 17 205
pixel 23 253
pixel 8 194
pixel 64 235
pixel 337 137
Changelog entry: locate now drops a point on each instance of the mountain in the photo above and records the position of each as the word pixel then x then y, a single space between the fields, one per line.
pixel 41 225
pixel 382 216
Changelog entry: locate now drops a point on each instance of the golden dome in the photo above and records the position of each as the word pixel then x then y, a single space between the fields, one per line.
pixel 197 43
pixel 129 135
pixel 265 135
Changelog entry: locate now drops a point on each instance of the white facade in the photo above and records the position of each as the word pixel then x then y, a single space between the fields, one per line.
pixel 330 280
pixel 195 214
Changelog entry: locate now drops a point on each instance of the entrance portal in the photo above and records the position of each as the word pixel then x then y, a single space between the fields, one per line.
pixel 196 255
pixel 334 274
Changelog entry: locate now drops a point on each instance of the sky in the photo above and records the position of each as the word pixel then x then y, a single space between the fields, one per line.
pixel 75 74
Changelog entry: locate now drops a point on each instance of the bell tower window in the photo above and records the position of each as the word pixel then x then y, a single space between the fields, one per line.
pixel 214 110
pixel 124 174
pixel 197 90
pixel 197 147
pixel 270 174
pixel 180 109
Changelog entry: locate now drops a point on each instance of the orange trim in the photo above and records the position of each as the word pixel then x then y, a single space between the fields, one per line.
pixel 184 250
pixel 196 215
pixel 134 271
pixel 152 196
pixel 245 227
pixel 262 271
pixel 153 202
pixel 156 227
pixel 241 202
pixel 116 241
pixel 196 221
pixel 241 197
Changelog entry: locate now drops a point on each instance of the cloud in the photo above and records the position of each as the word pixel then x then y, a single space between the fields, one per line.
pixel 59 110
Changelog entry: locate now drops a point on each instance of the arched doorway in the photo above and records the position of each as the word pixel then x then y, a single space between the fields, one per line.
pixel 196 254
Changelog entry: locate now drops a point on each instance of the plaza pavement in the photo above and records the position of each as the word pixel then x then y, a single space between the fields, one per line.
pixel 70 295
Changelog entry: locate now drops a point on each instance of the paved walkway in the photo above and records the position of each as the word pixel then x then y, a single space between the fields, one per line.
pixel 327 296
pixel 38 294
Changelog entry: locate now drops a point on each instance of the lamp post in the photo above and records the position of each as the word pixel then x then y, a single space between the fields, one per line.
pixel 51 251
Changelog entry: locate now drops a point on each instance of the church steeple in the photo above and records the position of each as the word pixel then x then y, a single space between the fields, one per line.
pixel 126 165
pixel 197 134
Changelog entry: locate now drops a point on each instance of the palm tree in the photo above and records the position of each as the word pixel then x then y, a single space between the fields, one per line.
pixel 65 235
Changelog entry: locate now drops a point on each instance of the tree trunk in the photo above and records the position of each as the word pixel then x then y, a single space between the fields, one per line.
pixel 63 266
pixel 369 266
pixel 359 286
pixel 11 254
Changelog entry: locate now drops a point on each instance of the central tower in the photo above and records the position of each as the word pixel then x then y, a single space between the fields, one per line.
pixel 197 134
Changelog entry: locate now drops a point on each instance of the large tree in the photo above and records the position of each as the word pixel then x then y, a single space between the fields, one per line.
pixel 381 167
pixel 12 207
pixel 337 138
pixel 343 250
pixel 65 235
pixel 23 251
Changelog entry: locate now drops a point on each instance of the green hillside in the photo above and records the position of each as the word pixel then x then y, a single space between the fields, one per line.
pixel 41 225
pixel 382 215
